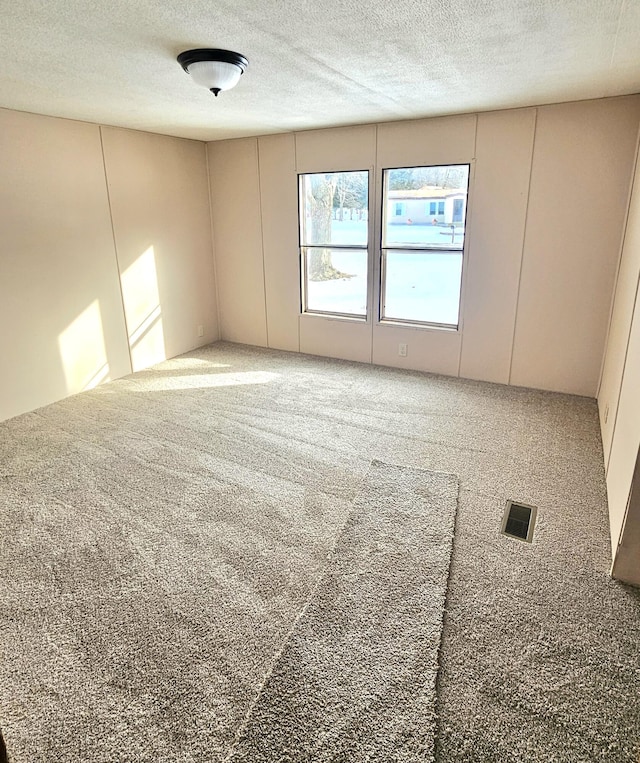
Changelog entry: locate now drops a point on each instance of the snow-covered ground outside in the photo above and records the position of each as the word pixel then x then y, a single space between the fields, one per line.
pixel 420 286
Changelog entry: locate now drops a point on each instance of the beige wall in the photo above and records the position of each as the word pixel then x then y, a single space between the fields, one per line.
pixel 279 241
pixel 237 231
pixel 626 563
pixel 548 195
pixel 494 256
pixel 582 167
pixel 621 317
pixel 626 439
pixel 159 193
pixel 62 322
pixel 619 395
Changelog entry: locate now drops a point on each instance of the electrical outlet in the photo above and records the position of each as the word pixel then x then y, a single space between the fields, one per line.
pixel 200 330
pixel 402 350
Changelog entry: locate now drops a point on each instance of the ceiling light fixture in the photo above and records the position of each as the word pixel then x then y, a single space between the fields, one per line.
pixel 213 68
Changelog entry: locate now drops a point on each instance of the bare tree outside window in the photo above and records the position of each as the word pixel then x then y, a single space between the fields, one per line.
pixel 333 239
pixel 321 193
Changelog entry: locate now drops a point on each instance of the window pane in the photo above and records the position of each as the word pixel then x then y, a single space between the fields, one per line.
pixel 433 201
pixel 422 286
pixel 336 280
pixel 334 208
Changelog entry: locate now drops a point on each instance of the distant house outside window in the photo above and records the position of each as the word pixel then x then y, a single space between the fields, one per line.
pixel 420 261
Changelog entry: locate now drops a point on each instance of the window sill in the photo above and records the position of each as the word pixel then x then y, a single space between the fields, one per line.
pixel 335 317
pixel 419 326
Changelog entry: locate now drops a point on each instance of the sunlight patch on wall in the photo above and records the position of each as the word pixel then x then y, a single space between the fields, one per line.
pixel 143 311
pixel 83 352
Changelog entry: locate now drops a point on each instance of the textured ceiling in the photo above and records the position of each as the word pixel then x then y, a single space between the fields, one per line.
pixel 312 63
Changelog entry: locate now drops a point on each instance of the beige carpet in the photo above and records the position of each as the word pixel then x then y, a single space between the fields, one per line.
pixel 540 656
pixel 160 539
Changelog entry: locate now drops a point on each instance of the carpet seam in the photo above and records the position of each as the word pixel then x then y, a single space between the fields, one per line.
pixel 299 616
pixel 321 578
pixel 447 595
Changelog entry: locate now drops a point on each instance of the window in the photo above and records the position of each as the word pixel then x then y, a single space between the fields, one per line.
pixel 399 210
pixel 432 208
pixel 334 239
pixel 421 268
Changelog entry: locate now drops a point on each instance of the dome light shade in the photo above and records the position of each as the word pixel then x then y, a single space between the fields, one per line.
pixel 212 68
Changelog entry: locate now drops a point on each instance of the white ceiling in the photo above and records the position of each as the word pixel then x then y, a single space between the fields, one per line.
pixel 312 63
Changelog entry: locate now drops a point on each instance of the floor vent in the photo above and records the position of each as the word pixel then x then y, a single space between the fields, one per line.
pixel 519 520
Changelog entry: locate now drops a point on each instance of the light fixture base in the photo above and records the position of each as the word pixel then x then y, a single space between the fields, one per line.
pixel 189 57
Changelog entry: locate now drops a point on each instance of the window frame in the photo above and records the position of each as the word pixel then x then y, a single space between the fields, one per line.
pixel 302 250
pixel 382 260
